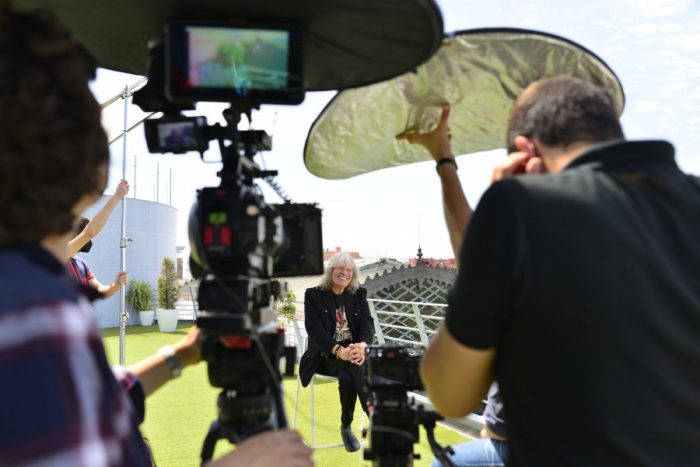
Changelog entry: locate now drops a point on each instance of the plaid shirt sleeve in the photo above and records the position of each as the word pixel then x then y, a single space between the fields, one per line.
pixel 132 385
pixel 61 404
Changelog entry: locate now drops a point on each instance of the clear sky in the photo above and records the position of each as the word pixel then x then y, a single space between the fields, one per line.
pixel 652 45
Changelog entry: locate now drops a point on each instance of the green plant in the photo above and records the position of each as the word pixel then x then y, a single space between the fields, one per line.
pixel 139 295
pixel 167 285
pixel 285 307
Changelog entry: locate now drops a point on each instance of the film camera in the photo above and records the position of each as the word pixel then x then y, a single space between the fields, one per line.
pixel 394 417
pixel 238 241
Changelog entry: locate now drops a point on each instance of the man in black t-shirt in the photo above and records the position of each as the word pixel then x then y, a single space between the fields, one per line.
pixel 577 292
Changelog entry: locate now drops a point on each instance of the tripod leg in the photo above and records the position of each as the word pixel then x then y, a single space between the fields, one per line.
pixel 213 435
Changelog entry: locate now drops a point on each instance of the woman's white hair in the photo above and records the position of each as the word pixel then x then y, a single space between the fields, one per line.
pixel 337 260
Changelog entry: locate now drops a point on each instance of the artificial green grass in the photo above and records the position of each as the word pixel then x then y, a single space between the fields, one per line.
pixel 178 415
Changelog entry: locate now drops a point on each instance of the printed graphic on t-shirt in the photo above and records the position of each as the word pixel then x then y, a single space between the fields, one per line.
pixel 342 330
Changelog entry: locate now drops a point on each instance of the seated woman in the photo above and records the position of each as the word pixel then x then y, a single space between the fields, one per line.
pixel 339 326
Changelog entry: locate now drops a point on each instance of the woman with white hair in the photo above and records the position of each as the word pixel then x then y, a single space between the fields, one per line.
pixel 339 326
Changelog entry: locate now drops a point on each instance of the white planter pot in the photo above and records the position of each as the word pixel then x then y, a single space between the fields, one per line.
pixel 146 317
pixel 167 320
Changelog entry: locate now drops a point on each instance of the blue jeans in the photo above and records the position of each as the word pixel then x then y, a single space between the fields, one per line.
pixel 484 452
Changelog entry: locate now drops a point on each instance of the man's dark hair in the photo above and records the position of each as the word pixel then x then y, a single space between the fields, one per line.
pixel 563 110
pixel 53 149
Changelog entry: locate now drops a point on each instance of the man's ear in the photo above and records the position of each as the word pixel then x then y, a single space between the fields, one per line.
pixel 524 144
pixel 535 164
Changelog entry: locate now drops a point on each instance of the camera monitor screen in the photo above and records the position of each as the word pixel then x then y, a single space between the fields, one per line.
pixel 224 63
pixel 176 134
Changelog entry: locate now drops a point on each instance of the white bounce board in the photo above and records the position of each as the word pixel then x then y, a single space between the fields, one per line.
pixel 479 72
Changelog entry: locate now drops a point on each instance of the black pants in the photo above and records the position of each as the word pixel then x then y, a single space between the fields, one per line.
pixel 350 385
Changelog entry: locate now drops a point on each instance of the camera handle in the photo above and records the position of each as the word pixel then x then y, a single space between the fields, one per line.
pixel 237 157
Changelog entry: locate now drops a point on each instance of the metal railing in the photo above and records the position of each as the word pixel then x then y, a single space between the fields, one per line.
pixel 394 322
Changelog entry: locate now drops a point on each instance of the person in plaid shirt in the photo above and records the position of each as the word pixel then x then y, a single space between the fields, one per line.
pixel 60 402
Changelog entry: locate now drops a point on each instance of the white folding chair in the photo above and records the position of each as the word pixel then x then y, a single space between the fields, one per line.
pixel 313 427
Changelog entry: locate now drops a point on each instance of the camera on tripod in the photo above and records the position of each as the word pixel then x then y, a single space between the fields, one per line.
pixel 392 370
pixel 238 241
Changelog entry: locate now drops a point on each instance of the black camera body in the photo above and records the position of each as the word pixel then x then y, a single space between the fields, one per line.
pixel 238 241
pixel 392 370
